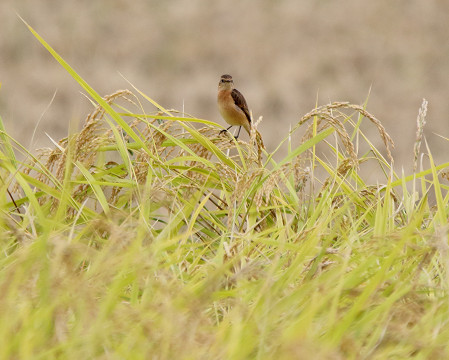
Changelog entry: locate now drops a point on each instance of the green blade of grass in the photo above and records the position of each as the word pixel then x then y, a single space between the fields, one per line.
pixel 4 137
pixel 88 89
pixel 101 198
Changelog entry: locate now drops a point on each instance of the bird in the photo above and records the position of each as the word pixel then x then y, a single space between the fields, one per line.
pixel 232 105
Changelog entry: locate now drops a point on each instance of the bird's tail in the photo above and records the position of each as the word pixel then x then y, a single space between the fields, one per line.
pixel 247 126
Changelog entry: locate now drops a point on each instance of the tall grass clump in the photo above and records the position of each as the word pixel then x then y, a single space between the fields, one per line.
pixel 149 235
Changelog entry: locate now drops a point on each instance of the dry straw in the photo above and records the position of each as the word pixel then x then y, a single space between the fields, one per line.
pixel 420 123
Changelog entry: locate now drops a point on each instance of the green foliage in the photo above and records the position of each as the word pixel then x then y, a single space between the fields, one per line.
pixel 144 236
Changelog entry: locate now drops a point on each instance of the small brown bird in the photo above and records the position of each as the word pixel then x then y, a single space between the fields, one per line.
pixel 232 105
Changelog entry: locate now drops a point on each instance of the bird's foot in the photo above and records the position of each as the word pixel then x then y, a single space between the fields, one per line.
pixel 226 131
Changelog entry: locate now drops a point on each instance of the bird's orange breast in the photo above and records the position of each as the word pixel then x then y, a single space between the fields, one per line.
pixel 232 114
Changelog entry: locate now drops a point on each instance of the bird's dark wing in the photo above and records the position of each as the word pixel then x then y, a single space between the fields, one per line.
pixel 240 101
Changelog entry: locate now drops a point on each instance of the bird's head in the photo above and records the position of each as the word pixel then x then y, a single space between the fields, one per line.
pixel 226 83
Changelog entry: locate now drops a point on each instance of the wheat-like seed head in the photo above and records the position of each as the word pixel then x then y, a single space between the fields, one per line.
pixel 420 123
pixel 178 172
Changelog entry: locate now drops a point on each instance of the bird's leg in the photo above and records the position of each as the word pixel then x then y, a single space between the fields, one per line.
pixel 238 133
pixel 224 130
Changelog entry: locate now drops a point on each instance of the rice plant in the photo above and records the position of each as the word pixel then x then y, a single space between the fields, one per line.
pixel 148 234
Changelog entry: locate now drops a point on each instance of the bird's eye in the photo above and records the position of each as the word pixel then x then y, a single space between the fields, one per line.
pixel 222 81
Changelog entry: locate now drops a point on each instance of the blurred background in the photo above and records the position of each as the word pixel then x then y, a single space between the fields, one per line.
pixel 285 56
